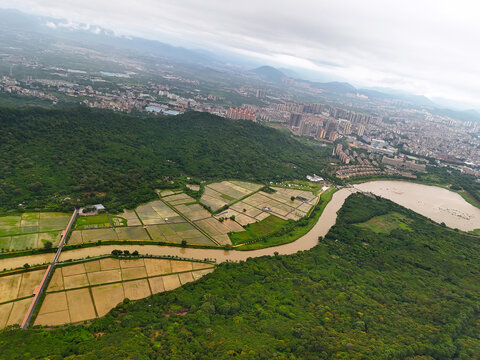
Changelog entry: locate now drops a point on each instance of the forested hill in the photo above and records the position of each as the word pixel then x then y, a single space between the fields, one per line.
pixel 395 286
pixel 119 159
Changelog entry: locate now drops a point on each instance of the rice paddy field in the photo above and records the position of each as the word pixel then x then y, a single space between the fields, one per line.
pixel 16 293
pixel 157 212
pixel 176 233
pixel 177 217
pixel 13 312
pixel 92 221
pixel 31 230
pixel 178 199
pixel 91 289
pixel 193 187
pixel 253 231
pixel 155 221
pixel 260 205
pixel 217 195
pixel 168 192
pixel 193 212
pixel 127 218
pixel 219 230
pixel 136 233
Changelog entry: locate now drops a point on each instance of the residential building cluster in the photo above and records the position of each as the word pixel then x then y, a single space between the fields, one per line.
pixel 403 163
pixel 241 114
pixel 352 171
pixel 382 126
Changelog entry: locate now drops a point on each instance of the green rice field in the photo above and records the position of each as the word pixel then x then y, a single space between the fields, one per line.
pixel 92 222
pixel 31 230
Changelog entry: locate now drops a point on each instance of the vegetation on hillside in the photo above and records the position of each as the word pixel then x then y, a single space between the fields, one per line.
pixel 60 158
pixel 395 294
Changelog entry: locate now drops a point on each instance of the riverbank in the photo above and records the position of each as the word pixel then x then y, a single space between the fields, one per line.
pixel 306 242
pixel 437 203
pixel 420 201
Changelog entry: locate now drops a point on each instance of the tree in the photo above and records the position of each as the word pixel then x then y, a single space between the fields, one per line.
pixel 135 253
pixel 47 245
pixel 184 243
pixel 292 198
pixel 26 266
pixel 36 186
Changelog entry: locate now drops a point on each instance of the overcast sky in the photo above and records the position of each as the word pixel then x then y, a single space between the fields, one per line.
pixel 429 47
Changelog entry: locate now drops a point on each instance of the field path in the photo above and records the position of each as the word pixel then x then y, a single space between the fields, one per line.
pixel 41 287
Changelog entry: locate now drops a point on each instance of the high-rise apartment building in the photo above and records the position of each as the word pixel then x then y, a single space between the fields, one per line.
pixel 295 119
pixel 361 130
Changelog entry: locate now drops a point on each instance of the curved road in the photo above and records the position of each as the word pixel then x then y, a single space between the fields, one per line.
pixel 306 242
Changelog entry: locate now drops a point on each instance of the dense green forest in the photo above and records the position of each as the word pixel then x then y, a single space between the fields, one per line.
pixel 65 157
pixel 410 292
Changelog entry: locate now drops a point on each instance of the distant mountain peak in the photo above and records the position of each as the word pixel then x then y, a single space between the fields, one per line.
pixel 336 87
pixel 269 73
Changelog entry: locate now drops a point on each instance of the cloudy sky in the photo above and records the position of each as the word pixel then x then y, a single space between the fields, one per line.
pixel 429 47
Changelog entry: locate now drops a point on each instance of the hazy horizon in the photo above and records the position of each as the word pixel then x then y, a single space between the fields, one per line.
pixel 423 48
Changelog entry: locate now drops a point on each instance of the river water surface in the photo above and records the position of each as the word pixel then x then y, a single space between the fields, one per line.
pixel 436 203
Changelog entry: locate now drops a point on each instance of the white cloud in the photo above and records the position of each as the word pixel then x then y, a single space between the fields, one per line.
pixel 51 25
pixel 422 46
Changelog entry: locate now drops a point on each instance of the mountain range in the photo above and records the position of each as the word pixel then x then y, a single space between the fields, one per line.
pixel 272 74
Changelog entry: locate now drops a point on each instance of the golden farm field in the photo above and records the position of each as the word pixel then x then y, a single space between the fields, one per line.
pixel 16 293
pixel 91 289
pixel 13 312
pixel 157 212
pixel 19 285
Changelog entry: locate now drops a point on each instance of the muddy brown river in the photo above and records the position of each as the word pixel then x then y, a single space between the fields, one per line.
pixel 436 203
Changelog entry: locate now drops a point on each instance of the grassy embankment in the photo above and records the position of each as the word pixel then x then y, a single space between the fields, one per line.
pixel 282 235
